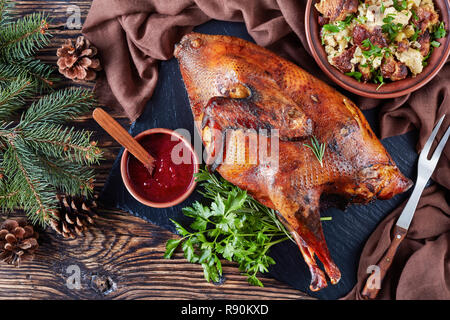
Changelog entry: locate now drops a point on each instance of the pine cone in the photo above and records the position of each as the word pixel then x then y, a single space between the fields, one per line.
pixel 18 241
pixel 78 63
pixel 74 216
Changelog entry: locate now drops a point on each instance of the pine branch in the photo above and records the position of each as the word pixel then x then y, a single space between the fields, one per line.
pixel 8 200
pixel 43 156
pixel 39 156
pixel 8 197
pixel 5 7
pixel 39 73
pixel 70 178
pixel 55 141
pixel 24 38
pixel 36 195
pixel 37 178
pixel 13 96
pixel 58 107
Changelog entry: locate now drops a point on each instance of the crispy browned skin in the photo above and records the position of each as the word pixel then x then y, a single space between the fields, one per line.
pixel 336 10
pixel 235 85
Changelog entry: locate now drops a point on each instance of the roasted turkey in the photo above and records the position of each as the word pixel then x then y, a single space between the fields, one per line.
pixel 240 92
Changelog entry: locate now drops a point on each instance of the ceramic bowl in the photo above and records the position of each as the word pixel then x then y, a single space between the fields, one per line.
pixel 389 90
pixel 127 180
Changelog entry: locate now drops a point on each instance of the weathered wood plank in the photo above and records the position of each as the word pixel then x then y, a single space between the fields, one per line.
pixel 122 256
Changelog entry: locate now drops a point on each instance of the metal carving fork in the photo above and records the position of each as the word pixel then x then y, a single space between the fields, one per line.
pixel 425 169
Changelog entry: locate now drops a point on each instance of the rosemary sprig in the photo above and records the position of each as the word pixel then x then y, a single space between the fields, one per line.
pixel 317 148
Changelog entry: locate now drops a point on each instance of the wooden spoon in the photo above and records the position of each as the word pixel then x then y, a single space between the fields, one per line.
pixel 116 131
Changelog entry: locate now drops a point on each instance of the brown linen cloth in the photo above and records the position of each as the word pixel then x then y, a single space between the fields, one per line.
pixel 132 36
pixel 421 265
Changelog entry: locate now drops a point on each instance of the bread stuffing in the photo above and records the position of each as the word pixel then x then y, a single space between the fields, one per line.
pixel 379 40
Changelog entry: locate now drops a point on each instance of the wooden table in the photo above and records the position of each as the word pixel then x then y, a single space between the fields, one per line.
pixel 121 257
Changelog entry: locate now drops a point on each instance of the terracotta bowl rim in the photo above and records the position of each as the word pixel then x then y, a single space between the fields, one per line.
pixel 392 89
pixel 127 181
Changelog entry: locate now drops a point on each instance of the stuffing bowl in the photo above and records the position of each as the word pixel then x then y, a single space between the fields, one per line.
pixel 390 89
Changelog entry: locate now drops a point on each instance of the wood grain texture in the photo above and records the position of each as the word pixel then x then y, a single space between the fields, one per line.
pixel 121 257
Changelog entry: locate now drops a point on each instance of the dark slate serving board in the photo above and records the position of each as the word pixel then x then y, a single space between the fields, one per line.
pixel 346 233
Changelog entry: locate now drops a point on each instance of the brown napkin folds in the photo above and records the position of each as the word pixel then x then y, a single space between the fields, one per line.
pixel 131 36
pixel 421 265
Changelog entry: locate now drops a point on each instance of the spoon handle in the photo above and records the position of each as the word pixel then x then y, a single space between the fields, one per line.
pixel 116 131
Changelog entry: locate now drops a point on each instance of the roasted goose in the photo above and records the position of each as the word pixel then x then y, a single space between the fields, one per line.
pixel 236 86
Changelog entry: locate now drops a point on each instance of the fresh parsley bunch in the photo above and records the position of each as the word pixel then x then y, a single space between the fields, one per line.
pixel 235 227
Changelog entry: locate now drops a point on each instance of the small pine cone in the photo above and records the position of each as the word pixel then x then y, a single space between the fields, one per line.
pixel 18 241
pixel 78 62
pixel 74 216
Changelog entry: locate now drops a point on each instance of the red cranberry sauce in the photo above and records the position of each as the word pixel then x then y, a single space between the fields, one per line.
pixel 169 180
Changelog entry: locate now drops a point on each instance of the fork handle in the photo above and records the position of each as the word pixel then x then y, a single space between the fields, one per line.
pixel 370 291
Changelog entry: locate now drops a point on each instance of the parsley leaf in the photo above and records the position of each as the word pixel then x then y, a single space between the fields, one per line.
pixel 435 43
pixel 339 26
pixel 171 245
pixel 389 18
pixel 378 78
pixel 424 61
pixel 400 7
pixel 234 226
pixel 373 50
pixel 348 19
pixel 392 29
pixel 355 74
pixel 416 34
pixel 440 31
pixel 361 19
pixel 331 28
